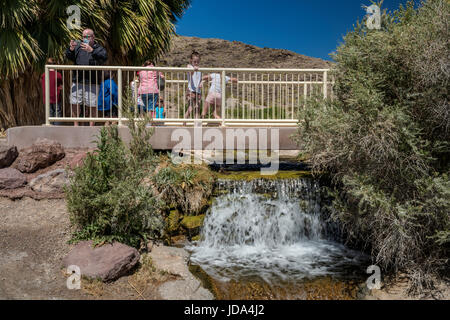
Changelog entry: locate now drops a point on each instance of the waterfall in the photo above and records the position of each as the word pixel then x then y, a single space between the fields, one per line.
pixel 269 229
pixel 277 217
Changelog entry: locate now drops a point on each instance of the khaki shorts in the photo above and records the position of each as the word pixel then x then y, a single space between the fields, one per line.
pixel 84 95
pixel 214 98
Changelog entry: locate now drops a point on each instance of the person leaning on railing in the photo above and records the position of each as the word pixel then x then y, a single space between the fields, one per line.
pixel 108 98
pixel 85 84
pixel 214 97
pixel 194 90
pixel 149 89
pixel 55 83
pixel 137 99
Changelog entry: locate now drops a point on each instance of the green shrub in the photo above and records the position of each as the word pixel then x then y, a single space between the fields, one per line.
pixel 385 139
pixel 124 193
pixel 107 197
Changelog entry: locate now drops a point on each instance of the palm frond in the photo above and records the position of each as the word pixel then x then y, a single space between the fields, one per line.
pixel 17 13
pixel 19 51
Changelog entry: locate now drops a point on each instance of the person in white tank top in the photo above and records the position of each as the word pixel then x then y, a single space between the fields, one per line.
pixel 194 91
pixel 214 97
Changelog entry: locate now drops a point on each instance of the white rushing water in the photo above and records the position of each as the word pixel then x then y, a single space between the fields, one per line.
pixel 272 230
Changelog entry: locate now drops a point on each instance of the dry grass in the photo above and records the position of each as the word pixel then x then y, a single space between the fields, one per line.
pixel 93 287
pixel 185 186
pixel 147 278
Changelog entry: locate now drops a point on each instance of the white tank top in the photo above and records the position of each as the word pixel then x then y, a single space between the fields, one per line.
pixel 194 81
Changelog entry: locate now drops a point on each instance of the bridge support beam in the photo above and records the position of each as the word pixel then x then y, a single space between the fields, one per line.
pixel 162 139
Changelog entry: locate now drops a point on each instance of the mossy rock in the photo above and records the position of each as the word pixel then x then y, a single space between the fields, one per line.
pixel 193 222
pixel 252 175
pixel 193 225
pixel 178 241
pixel 220 192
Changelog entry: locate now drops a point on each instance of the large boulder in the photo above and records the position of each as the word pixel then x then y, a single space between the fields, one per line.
pixel 42 154
pixel 175 261
pixel 171 260
pixel 78 160
pixel 186 289
pixel 11 178
pixel 53 181
pixel 108 262
pixel 7 155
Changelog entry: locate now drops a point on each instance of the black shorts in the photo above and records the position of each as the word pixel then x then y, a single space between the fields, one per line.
pixel 114 113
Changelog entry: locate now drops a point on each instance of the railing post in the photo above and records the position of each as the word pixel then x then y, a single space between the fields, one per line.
pixel 119 94
pixel 325 84
pixel 224 98
pixel 47 96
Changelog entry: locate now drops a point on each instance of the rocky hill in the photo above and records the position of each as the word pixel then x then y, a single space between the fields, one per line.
pixel 219 53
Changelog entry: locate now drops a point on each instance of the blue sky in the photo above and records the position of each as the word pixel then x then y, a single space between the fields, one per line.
pixel 310 27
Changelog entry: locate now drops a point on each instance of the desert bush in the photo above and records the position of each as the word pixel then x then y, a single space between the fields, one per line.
pixel 124 193
pixel 107 197
pixel 384 140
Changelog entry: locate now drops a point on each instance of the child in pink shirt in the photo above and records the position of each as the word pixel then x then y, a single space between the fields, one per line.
pixel 149 90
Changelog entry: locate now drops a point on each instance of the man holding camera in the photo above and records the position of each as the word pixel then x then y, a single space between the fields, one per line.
pixel 85 83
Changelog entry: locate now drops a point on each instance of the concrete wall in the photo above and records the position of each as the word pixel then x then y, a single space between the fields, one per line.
pixel 162 139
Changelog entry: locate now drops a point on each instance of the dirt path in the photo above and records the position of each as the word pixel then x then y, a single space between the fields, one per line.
pixel 33 242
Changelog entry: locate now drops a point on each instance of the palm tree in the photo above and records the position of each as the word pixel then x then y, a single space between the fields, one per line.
pixel 32 30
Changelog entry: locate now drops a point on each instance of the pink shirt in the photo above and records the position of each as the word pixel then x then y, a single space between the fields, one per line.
pixel 148 81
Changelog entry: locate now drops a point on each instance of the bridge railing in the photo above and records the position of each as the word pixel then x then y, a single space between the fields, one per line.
pixel 249 97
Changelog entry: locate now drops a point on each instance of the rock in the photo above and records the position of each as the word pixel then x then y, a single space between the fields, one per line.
pixel 193 225
pixel 180 241
pixel 108 262
pixel 171 260
pixel 7 155
pixel 189 289
pixel 175 261
pixel 78 160
pixel 193 222
pixel 53 181
pixel 11 178
pixel 42 154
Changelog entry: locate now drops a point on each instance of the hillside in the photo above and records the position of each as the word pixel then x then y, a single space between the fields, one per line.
pixel 234 54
